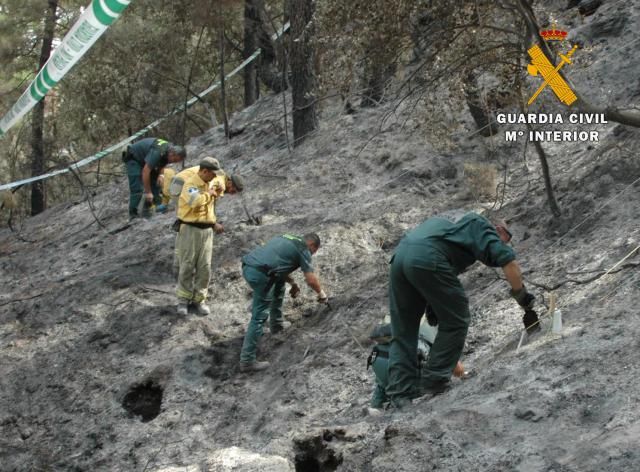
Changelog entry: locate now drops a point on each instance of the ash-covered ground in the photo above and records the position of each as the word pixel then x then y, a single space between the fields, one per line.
pixel 98 372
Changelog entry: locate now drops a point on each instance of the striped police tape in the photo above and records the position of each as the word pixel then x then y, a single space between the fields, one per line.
pixel 93 22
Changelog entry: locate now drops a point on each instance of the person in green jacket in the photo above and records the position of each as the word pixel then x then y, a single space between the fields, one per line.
pixel 144 162
pixel 424 270
pixel 379 358
pixel 266 269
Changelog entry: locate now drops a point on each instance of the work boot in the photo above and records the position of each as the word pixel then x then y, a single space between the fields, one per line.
pixel 279 329
pixel 202 309
pixel 183 308
pixel 398 403
pixel 255 366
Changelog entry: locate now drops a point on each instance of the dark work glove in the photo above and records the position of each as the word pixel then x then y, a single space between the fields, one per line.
pixel 432 319
pixel 524 298
pixel 531 322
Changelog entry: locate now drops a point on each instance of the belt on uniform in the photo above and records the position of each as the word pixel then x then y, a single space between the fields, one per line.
pixel 265 269
pixel 197 225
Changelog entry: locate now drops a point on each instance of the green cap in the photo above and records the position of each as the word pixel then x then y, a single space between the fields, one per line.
pixel 210 163
pixel 238 182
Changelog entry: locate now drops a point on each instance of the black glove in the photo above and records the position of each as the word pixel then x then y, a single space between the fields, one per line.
pixel 432 319
pixel 531 322
pixel 524 298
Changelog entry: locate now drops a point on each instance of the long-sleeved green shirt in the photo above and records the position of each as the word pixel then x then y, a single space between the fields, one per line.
pixel 281 256
pixel 470 239
pixel 150 151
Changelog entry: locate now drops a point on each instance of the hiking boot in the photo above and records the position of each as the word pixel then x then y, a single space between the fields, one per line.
pixel 279 329
pixel 202 309
pixel 183 308
pixel 255 366
pixel 398 403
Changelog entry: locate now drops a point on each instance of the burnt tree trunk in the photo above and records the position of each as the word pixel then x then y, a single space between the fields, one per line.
pixel 269 72
pixel 223 92
pixel 252 10
pixel 379 69
pixel 548 186
pixel 38 195
pixel 302 59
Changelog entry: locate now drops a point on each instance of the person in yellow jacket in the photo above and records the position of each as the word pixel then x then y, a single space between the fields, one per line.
pixel 194 244
pixel 176 183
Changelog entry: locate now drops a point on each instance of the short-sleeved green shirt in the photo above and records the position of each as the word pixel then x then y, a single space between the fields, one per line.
pixel 150 151
pixel 470 239
pixel 281 256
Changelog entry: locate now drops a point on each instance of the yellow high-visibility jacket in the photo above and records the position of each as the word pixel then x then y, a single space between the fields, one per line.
pixel 219 180
pixel 195 205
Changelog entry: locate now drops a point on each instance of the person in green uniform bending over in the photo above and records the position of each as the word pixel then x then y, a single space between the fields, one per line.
pixel 266 269
pixel 424 270
pixel 144 162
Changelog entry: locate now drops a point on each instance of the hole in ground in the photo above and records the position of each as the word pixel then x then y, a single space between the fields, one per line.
pixel 144 400
pixel 313 455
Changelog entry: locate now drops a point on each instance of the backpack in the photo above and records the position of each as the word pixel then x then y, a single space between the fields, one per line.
pixel 175 187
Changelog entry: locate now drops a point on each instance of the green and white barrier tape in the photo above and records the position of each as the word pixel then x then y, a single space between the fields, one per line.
pixel 130 139
pixel 94 21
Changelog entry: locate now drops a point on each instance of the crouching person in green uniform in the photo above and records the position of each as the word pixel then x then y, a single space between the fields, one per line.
pixel 424 270
pixel 379 358
pixel 267 269
pixel 144 162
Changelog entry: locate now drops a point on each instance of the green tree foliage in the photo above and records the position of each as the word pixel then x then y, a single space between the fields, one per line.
pixel 156 56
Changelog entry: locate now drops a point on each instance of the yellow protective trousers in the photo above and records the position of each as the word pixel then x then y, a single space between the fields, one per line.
pixel 194 248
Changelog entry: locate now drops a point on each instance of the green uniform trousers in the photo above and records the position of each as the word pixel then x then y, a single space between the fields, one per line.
pixel 194 248
pixel 421 274
pixel 268 295
pixel 136 189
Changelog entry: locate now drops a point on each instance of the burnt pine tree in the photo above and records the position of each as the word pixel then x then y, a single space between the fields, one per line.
pixel 38 197
pixel 265 69
pixel 269 70
pixel 251 25
pixel 302 60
